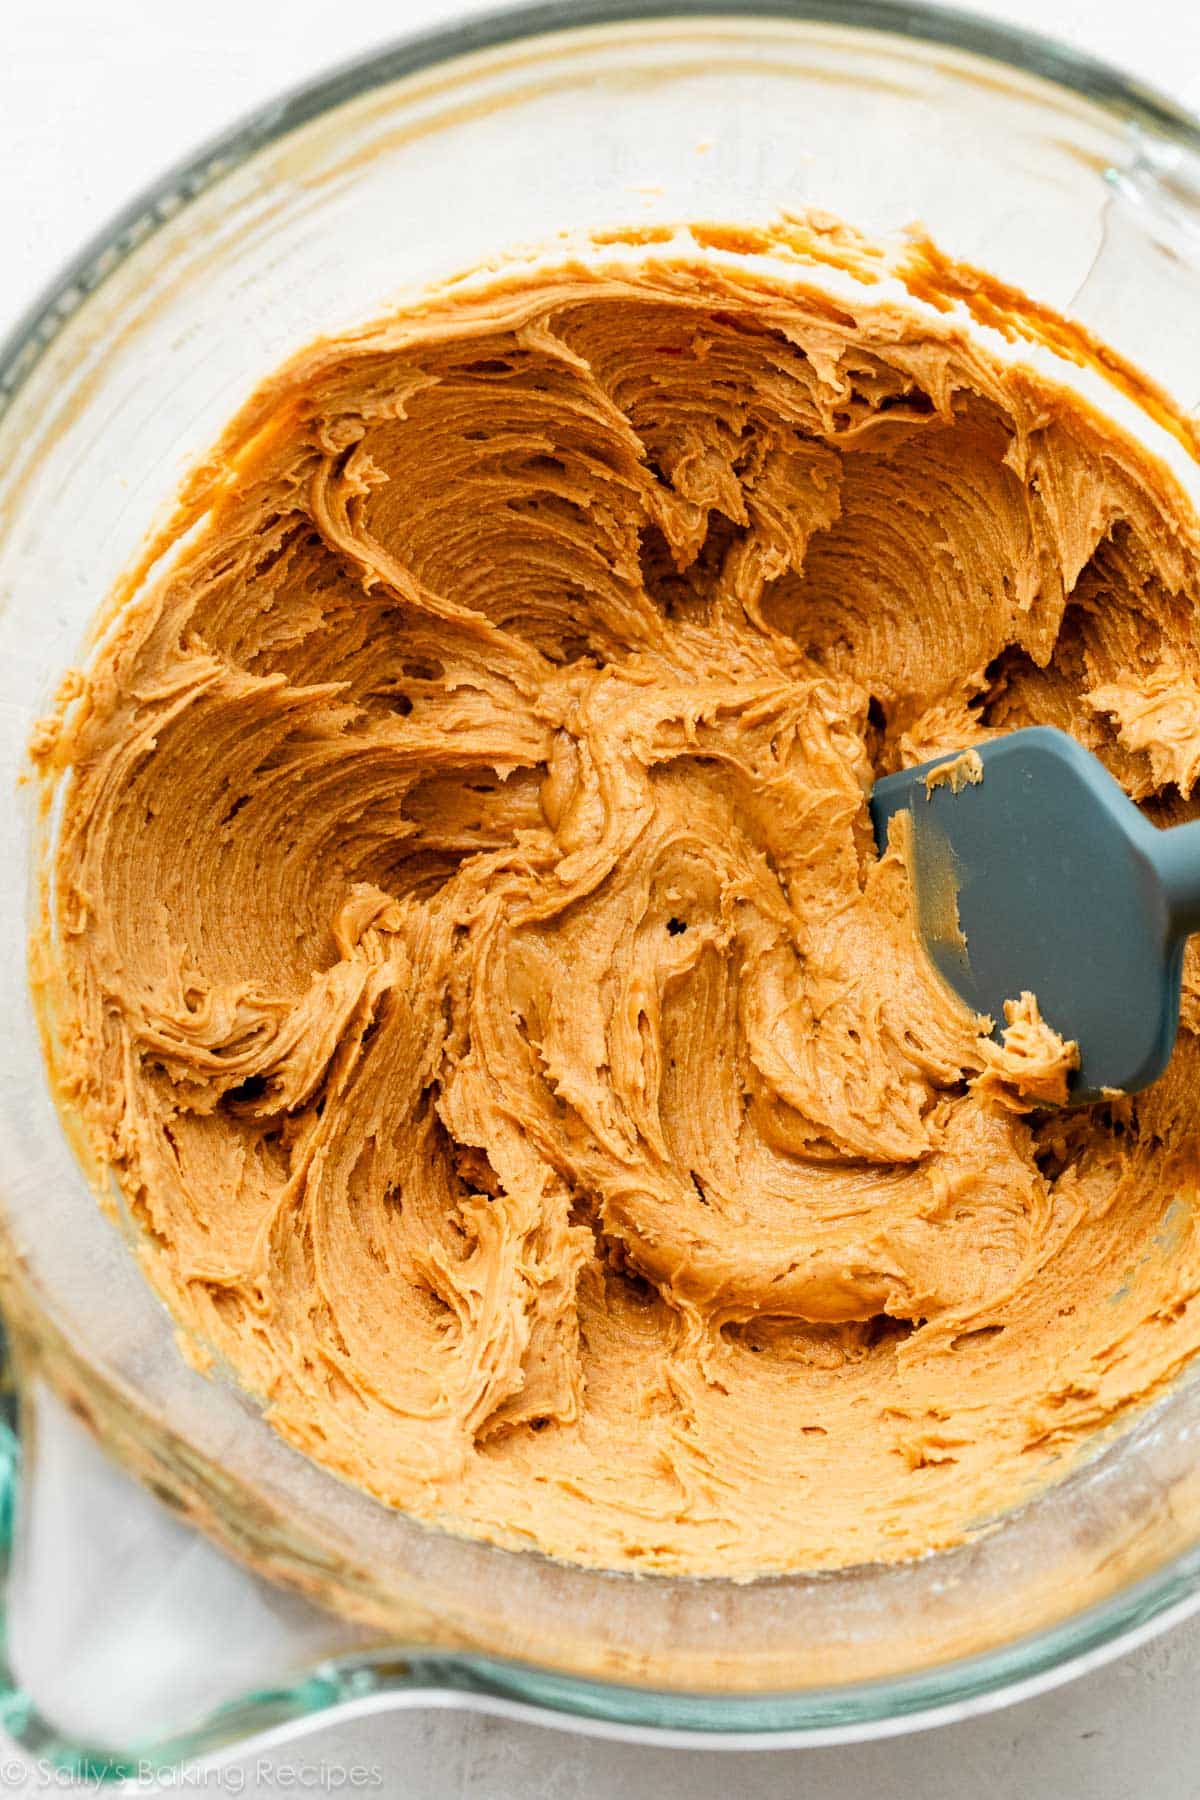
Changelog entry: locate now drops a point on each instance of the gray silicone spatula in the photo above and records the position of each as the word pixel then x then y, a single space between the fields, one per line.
pixel 1033 871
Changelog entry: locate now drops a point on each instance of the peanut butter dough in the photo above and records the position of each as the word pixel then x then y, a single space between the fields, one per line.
pixel 469 953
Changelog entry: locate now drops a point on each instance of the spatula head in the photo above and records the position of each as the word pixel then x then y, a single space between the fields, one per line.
pixel 1034 871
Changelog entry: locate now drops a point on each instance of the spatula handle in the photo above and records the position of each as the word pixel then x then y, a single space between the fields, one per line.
pixel 1176 855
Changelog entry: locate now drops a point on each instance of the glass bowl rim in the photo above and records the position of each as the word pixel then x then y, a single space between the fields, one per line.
pixel 925 21
pixel 943 1693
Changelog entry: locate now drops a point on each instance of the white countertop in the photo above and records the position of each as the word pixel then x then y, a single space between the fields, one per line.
pixel 98 96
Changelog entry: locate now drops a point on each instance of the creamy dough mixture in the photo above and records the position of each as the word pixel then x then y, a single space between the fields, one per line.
pixel 471 956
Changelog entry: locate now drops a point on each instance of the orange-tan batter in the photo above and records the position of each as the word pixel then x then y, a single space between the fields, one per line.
pixel 472 959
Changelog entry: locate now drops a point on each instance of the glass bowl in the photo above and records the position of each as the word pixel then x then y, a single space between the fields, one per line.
pixel 130 1637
